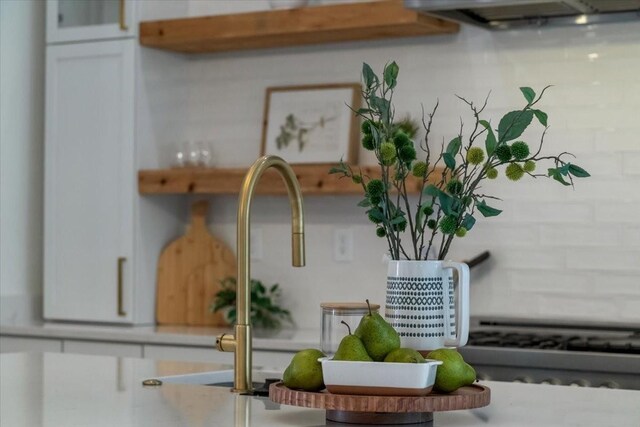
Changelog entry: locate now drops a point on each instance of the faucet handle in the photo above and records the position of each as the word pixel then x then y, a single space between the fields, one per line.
pixel 226 342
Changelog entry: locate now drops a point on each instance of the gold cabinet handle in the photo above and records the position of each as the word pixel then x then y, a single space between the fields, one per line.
pixel 123 16
pixel 121 311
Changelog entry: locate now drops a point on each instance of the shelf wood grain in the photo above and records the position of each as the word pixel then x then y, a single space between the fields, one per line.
pixel 291 27
pixel 314 180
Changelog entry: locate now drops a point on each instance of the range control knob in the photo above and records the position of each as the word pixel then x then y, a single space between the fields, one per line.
pixel 524 379
pixel 551 381
pixel 580 383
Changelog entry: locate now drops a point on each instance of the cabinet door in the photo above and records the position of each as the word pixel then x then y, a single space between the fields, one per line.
pixel 82 20
pixel 89 181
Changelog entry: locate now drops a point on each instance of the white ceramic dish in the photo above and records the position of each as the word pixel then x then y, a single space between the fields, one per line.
pixel 379 378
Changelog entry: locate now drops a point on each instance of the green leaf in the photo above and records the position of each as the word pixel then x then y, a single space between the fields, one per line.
pixel 449 160
pixel 431 190
pixel 578 172
pixel 398 220
pixel 513 124
pixel 541 116
pixel 336 169
pixel 376 213
pixel 490 143
pixel 376 135
pixel 468 222
pixel 564 169
pixel 528 93
pixel 486 210
pixel 368 75
pixel 382 105
pixel 391 74
pixel 364 203
pixel 363 111
pixel 454 146
pixel 557 175
pixel 445 203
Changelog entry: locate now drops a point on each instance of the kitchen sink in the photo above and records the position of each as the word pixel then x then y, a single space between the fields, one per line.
pixel 261 379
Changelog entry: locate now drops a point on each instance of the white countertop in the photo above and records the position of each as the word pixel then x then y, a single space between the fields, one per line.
pixel 284 340
pixel 73 390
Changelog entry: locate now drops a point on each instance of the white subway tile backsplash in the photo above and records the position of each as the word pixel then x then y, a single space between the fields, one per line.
pixel 604 259
pixel 631 236
pixel 617 213
pixel 606 284
pixel 530 258
pixel 550 281
pixel 579 235
pixel 580 306
pixel 556 252
pixel 631 163
pixel 624 138
pixel 553 212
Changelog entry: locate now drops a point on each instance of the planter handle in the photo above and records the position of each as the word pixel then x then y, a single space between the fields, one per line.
pixel 462 305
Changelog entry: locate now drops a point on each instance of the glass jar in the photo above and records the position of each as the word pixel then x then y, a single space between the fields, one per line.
pixel 333 313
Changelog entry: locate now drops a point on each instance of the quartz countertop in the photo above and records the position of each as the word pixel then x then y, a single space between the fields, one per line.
pixel 283 340
pixel 46 389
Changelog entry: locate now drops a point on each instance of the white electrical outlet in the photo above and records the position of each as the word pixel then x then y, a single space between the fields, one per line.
pixel 343 245
pixel 255 243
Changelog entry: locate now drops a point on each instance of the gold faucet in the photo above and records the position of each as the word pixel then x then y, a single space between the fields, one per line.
pixel 240 342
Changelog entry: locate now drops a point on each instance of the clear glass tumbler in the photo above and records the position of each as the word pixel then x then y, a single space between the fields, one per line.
pixel 333 313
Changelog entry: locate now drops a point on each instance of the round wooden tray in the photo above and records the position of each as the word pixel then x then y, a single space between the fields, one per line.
pixel 382 409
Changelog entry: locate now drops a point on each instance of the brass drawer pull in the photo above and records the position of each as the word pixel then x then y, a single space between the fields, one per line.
pixel 123 17
pixel 121 311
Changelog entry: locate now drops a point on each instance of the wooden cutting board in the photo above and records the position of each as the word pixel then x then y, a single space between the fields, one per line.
pixel 189 273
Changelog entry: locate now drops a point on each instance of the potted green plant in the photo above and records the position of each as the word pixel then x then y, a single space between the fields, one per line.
pixel 266 314
pixel 419 233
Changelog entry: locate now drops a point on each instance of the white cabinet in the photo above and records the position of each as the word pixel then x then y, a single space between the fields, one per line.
pixel 103 348
pixel 83 20
pixel 89 182
pixel 9 344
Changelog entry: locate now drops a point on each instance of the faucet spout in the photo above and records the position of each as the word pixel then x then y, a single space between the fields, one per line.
pixel 241 342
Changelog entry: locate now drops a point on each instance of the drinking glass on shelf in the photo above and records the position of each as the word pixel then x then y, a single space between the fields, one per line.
pixel 180 153
pixel 193 154
pixel 205 153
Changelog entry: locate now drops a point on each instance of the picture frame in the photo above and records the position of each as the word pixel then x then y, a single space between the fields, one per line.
pixel 312 124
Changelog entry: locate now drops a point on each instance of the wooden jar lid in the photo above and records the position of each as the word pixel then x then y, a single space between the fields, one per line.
pixel 348 306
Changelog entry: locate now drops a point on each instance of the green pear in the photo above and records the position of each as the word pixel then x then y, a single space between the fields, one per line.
pixel 351 348
pixel 454 371
pixel 305 372
pixel 378 336
pixel 404 355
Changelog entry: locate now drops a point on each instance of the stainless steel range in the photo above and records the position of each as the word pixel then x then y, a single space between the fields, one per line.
pixel 561 353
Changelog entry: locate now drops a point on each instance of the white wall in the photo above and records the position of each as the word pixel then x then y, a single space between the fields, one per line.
pixel 22 28
pixel 556 252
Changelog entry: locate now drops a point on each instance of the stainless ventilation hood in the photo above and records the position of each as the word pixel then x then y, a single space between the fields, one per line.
pixel 505 14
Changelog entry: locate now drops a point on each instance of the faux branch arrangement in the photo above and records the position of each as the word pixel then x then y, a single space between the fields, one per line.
pixel 449 179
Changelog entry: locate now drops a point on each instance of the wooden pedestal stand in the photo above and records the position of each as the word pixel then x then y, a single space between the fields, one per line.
pixel 356 409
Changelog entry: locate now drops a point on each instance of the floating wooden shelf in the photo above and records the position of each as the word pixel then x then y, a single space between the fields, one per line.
pixel 314 180
pixel 291 27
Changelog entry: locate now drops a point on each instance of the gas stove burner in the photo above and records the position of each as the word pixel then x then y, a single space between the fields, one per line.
pixel 529 340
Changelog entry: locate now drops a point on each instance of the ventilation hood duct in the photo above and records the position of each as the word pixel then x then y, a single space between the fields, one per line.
pixel 506 14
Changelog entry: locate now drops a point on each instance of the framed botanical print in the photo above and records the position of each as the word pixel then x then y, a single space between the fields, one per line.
pixel 312 124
